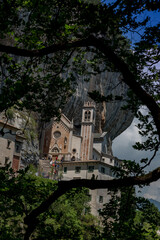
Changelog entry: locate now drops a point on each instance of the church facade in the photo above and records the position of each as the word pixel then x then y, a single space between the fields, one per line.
pixel 67 155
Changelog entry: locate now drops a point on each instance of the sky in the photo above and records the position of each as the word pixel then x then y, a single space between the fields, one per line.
pixel 154 19
pixel 122 148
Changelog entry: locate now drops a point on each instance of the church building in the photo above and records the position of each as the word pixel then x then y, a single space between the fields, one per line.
pixel 67 155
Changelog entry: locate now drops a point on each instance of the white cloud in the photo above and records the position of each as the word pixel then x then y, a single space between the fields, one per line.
pixel 146 195
pixel 152 191
pixel 122 148
pixel 122 145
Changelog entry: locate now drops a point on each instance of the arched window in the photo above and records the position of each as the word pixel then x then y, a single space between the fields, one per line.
pixel 65 141
pixel 87 115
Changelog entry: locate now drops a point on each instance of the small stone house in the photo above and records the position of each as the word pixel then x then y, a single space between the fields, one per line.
pixel 10 145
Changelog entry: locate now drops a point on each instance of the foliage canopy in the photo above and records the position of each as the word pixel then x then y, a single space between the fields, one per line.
pixel 44 47
pixel 68 218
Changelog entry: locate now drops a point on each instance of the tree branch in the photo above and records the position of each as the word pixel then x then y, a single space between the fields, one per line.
pixel 128 77
pixel 45 51
pixel 154 154
pixel 64 186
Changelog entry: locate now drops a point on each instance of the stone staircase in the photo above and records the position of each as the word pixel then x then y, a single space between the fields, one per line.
pixel 47 171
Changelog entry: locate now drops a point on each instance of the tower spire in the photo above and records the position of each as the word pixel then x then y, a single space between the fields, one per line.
pixel 87 129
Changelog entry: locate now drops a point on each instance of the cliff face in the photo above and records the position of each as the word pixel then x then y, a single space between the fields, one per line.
pixel 109 116
pixel 28 128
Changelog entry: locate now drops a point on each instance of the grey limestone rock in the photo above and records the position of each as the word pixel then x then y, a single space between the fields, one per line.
pixel 109 115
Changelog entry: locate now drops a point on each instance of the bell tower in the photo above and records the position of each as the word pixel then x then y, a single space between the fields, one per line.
pixel 87 129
